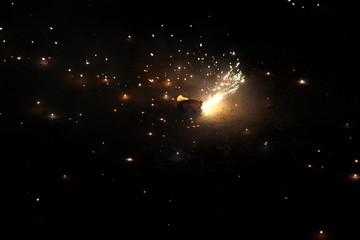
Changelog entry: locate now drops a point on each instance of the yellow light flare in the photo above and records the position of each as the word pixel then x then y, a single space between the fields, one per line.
pixel 302 82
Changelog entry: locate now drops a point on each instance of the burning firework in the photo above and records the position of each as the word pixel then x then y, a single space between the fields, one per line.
pixel 229 83
pixel 223 86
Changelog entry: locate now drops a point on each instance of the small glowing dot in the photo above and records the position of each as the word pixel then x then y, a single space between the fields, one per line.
pixel 302 82
pixel 65 177
pixel 129 159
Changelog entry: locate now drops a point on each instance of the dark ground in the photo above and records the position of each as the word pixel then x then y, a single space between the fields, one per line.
pixel 251 192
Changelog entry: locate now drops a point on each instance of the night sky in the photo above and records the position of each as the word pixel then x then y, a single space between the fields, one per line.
pixel 94 145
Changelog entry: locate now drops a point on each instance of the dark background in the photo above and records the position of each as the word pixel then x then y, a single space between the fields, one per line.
pixel 246 194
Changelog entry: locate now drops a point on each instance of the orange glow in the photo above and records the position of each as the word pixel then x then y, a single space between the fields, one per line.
pixel 181 98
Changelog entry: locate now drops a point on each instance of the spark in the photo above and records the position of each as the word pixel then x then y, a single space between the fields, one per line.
pixel 228 84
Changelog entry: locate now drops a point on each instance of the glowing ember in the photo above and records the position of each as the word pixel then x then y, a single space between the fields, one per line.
pixel 181 98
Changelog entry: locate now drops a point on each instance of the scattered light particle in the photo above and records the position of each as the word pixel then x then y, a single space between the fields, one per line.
pixel 302 82
pixel 129 159
pixel 65 177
